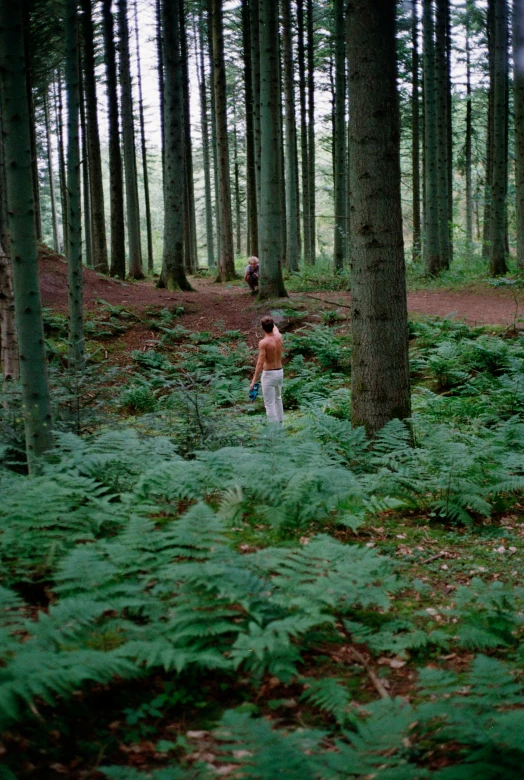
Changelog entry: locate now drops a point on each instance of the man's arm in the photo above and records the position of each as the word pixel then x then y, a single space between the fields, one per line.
pixel 260 363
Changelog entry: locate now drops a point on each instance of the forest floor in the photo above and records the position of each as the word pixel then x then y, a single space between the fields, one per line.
pixel 231 307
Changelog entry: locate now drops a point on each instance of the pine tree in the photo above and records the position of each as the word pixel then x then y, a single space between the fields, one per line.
pixel 497 264
pixel 415 132
pixel 291 141
pixel 204 123
pixel 8 338
pixel 339 139
pixel 116 180
pixel 270 237
pixel 432 260
pixel 518 88
pixel 379 366
pixel 173 274
pixel 251 187
pixel 23 247
pixel 74 231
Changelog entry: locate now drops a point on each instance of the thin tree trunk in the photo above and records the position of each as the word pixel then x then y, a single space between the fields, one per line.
pixel 251 192
pixel 128 135
pixel 205 147
pixel 432 259
pixel 306 204
pixel 469 132
pixel 518 92
pixel 214 145
pixel 490 21
pixel 226 269
pixel 311 132
pixel 173 275
pixel 86 190
pixel 500 165
pixel 116 181
pixel 255 80
pixel 449 129
pixel 96 189
pixel 442 136
pixel 160 53
pixel 415 134
pixel 49 145
pixel 74 232
pixel 23 248
pixel 237 184
pixel 32 120
pixel 291 141
pixel 379 322
pixel 61 163
pixel 190 218
pixel 143 147
pixel 8 338
pixel 271 282
pixel 339 138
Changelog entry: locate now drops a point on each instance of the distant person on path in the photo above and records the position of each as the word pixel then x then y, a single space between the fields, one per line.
pixel 252 273
pixel 270 364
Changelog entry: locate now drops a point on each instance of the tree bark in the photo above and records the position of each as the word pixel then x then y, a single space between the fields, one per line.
pixel 128 135
pixel 32 121
pixel 415 134
pixel 255 80
pixel 8 338
pixel 469 133
pixel 74 231
pixel 442 132
pixel 497 258
pixel 190 218
pixel 339 139
pixel 226 270
pixel 290 140
pixel 311 132
pixel 205 147
pixel 23 248
pixel 432 260
pixel 486 226
pixel 160 53
pixel 116 181
pixel 98 216
pixel 306 204
pixel 251 187
pixel 143 147
pixel 518 93
pixel 85 208
pixel 270 237
pixel 379 323
pixel 61 162
pixel 173 274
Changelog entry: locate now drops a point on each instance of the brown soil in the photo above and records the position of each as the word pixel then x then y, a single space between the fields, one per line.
pixel 212 306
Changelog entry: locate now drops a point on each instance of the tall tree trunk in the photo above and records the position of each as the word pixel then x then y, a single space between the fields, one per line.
pixel 61 161
pixel 270 238
pixel 497 264
pixel 432 259
pixel 128 135
pixel 490 31
pixel 238 226
pixel 469 133
pixel 214 145
pixel 86 190
pixel 49 149
pixel 255 80
pixel 449 128
pixel 160 53
pixel 339 138
pixel 442 133
pixel 190 218
pixel 8 338
pixel 379 321
pixel 205 147
pixel 143 147
pixel 518 93
pixel 415 133
pixel 23 249
pixel 173 274
pixel 226 269
pixel 306 203
pixel 74 232
pixel 98 217
pixel 116 180
pixel 251 192
pixel 311 132
pixel 291 141
pixel 32 120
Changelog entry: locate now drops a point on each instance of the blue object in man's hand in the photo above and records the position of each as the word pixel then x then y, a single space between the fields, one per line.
pixel 254 392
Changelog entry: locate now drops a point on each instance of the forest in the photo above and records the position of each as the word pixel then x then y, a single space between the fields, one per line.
pixel 189 589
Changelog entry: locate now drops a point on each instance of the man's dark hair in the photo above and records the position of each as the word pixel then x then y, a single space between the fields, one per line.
pixel 267 323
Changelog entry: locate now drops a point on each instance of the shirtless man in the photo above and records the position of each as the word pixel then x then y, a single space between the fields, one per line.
pixel 270 364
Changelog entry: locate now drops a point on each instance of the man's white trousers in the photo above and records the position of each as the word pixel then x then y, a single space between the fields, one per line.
pixel 272 392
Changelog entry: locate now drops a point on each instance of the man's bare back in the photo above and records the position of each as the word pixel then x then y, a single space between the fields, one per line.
pixel 269 353
pixel 269 364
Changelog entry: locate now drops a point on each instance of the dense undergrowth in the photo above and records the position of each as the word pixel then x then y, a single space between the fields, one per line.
pixel 189 592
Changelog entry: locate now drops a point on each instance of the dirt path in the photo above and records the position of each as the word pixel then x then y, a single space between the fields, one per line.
pixel 231 307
